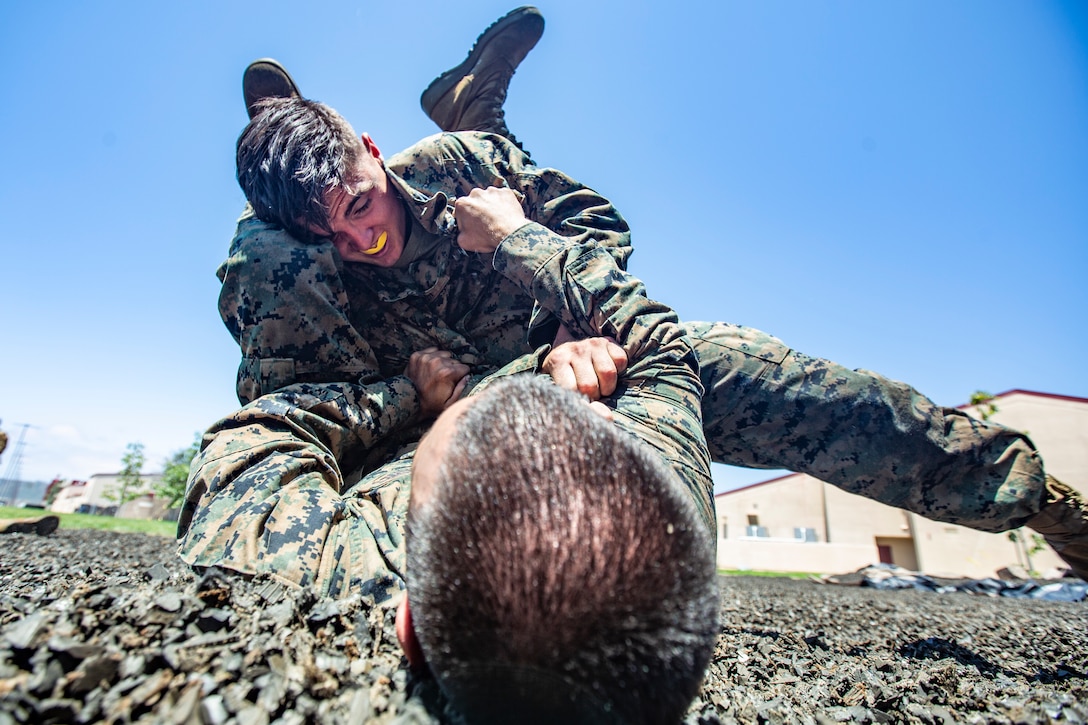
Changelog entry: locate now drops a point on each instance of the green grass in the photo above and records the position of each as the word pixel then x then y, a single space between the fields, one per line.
pixel 756 572
pixel 91 521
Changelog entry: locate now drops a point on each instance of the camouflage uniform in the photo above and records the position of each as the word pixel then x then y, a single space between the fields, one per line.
pixel 280 487
pixel 300 314
pixel 767 406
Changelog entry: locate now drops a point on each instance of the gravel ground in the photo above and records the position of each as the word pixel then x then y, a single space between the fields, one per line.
pixel 111 627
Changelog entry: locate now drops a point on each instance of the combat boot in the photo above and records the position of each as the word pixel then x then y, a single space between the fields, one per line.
pixel 470 96
pixel 266 78
pixel 1063 522
pixel 42 526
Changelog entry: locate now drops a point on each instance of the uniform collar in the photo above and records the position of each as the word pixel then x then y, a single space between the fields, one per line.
pixel 434 213
pixel 424 276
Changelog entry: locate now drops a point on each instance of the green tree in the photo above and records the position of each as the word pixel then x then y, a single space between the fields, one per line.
pixel 175 474
pixel 984 403
pixel 132 464
pixel 54 488
pixel 1028 543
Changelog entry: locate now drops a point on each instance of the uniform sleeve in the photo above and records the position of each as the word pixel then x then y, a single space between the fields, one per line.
pixel 660 395
pixel 285 304
pixel 458 162
pixel 571 212
pixel 267 488
pixel 591 295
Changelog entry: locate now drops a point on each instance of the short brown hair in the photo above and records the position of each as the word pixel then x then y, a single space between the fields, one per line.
pixel 289 156
pixel 558 548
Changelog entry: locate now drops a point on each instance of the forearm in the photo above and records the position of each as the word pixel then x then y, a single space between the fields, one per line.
pixel 318 431
pixel 659 396
pixel 566 206
pixel 576 213
pixel 590 295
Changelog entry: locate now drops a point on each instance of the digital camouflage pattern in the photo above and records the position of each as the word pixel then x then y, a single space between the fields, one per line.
pixel 280 487
pixel 768 406
pixel 301 315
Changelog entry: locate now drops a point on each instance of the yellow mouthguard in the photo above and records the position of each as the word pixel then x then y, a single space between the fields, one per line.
pixel 377 247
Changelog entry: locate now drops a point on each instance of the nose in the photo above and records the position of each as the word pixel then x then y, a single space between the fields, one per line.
pixel 361 239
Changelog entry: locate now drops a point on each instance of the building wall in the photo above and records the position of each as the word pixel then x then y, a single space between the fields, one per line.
pixel 950 550
pixel 69 499
pixel 1057 425
pixel 858 520
pixel 796 503
pixel 850 529
pixel 901 548
pixel 91 495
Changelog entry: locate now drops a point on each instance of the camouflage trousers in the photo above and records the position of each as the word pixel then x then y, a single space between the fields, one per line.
pixel 767 406
pixel 764 406
pixel 310 531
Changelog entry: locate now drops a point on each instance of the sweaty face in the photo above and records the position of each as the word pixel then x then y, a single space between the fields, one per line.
pixel 368 218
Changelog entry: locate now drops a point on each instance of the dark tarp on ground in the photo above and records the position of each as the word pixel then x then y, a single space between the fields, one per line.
pixel 890 576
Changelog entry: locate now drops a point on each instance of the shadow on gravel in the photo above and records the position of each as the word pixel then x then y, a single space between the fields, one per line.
pixel 935 648
pixel 939 648
pixel 1059 674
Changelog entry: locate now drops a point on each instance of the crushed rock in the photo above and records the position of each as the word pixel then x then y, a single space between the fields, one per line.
pixel 107 627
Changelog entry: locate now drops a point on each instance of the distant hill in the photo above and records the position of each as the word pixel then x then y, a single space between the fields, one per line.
pixel 15 493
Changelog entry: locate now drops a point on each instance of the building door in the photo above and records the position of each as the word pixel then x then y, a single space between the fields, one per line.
pixel 885 553
pixel 898 550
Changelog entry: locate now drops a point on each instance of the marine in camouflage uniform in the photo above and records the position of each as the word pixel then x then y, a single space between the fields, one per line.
pixel 291 484
pixel 301 314
pixel 280 488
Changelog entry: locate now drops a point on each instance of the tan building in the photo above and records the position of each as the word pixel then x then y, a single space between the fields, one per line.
pixel 93 496
pixel 799 523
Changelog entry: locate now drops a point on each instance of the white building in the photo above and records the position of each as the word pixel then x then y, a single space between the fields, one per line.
pixel 799 523
pixel 93 496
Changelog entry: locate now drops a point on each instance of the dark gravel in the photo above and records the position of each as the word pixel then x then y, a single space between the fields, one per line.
pixel 111 627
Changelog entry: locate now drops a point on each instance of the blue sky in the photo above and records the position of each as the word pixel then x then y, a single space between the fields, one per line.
pixel 897 186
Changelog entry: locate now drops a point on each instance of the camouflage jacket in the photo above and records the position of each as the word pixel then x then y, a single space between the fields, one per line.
pixel 278 488
pixel 300 314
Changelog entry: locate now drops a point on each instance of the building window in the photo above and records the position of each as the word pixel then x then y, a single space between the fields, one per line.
pixel 725 529
pixel 805 534
pixel 754 529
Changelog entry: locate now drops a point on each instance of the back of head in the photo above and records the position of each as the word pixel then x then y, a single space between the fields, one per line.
pixel 292 152
pixel 559 570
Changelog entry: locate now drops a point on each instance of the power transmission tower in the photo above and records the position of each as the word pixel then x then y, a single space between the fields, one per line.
pixel 11 477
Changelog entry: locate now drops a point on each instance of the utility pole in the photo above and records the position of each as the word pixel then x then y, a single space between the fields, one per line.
pixel 14 466
pixel 827 518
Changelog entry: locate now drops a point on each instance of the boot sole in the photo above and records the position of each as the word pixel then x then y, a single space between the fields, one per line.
pixel 42 527
pixel 444 83
pixel 279 69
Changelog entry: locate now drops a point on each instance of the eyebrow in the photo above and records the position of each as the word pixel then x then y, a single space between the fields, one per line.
pixel 355 200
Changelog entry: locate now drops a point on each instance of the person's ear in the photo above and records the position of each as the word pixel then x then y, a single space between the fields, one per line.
pixel 406 635
pixel 371 147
